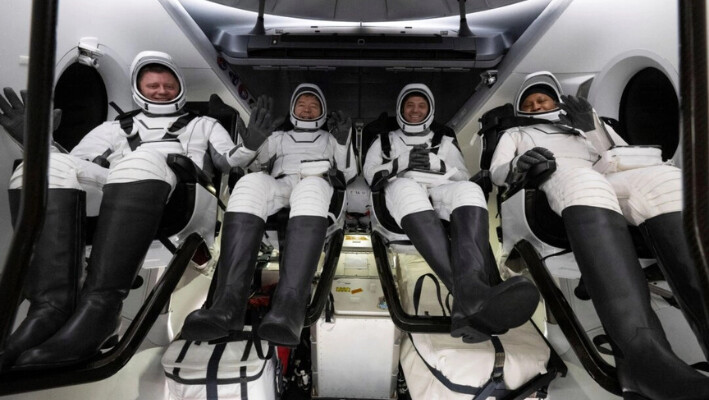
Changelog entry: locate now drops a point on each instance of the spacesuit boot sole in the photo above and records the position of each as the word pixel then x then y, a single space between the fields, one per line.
pixel 508 308
pixel 278 335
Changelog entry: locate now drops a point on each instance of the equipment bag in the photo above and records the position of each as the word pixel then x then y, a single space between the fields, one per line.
pixel 227 370
pixel 438 366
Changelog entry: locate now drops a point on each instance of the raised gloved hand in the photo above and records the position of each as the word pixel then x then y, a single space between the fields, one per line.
pixel 579 113
pixel 13 114
pixel 418 157
pixel 339 125
pixel 261 124
pixel 533 157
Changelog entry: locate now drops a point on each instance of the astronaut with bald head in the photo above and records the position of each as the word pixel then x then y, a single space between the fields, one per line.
pixel 119 173
pixel 406 159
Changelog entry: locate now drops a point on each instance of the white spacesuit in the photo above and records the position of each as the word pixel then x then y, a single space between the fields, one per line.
pixel 639 194
pixel 482 305
pixel 119 172
pixel 596 208
pixel 297 163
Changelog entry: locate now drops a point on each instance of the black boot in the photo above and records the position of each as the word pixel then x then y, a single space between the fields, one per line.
pixel 241 236
pixel 482 306
pixel 665 235
pixel 646 365
pixel 482 302
pixel 305 237
pixel 52 282
pixel 128 221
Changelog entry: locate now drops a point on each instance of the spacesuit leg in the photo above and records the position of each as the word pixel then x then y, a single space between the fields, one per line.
pixel 652 199
pixel 52 282
pixel 606 256
pixel 242 232
pixel 305 238
pixel 605 253
pixel 133 200
pixel 482 303
pixel 408 204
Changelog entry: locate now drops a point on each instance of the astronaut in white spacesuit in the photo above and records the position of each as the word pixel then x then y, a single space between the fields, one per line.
pixel 298 161
pixel 482 305
pixel 119 172
pixel 596 209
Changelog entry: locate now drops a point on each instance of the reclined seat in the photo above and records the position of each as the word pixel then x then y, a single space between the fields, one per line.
pixel 194 207
pixel 533 237
pixel 428 335
pixel 275 236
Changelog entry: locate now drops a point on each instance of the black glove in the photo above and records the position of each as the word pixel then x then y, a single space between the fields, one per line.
pixel 261 124
pixel 13 114
pixel 579 113
pixel 418 157
pixel 339 125
pixel 533 157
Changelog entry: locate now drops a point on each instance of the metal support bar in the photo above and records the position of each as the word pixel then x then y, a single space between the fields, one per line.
pixel 322 291
pixel 38 125
pixel 695 144
pixel 601 372
pixel 403 320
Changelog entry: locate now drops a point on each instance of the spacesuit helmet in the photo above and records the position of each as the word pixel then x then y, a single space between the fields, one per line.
pixel 308 124
pixel 414 89
pixel 539 82
pixel 156 58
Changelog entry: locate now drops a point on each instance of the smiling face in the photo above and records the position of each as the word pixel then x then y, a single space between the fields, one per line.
pixel 158 86
pixel 537 102
pixel 307 107
pixel 415 109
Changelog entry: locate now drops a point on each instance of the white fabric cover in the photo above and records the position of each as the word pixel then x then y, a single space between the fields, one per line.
pixel 526 352
pixel 261 373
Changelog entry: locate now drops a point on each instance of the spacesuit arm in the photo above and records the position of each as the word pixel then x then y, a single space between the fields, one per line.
pixel 615 136
pixel 449 156
pixel 344 158
pixel 504 159
pixel 376 168
pixel 225 155
pixel 99 142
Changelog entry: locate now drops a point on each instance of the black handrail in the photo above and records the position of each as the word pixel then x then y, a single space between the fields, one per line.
pixel 107 364
pixel 695 128
pixel 322 290
pixel 402 319
pixel 599 370
pixel 38 126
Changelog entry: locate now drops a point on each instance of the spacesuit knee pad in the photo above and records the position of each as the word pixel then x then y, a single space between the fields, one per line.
pixel 311 197
pixel 652 191
pixel 63 172
pixel 579 187
pixel 405 196
pixel 252 195
pixel 466 193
